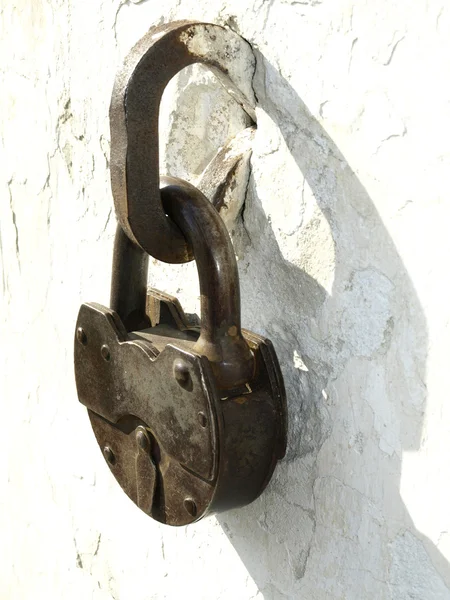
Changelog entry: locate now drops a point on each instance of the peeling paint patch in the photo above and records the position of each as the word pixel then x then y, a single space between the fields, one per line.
pixel 412 574
pixel 367 313
pixel 298 362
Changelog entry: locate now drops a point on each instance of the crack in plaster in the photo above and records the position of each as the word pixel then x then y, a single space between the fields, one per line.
pixel 14 222
pixel 393 49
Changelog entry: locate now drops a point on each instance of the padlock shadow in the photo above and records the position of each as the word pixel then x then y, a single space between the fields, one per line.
pixel 303 537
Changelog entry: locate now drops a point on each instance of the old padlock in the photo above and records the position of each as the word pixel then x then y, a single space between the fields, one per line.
pixel 191 420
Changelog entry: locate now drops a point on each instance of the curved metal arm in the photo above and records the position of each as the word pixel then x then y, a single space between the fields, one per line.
pixel 129 282
pixel 221 339
pixel 134 110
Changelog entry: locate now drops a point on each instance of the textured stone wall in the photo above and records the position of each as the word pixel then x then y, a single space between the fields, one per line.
pixel 343 251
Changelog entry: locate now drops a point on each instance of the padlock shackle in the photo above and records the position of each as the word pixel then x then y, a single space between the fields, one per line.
pixel 129 282
pixel 221 339
pixel 134 112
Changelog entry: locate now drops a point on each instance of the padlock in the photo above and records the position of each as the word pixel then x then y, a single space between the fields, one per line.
pixel 190 419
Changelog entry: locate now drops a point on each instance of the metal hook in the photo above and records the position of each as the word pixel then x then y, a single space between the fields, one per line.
pixel 134 111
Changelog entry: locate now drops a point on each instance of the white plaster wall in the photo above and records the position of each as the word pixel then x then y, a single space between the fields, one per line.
pixel 343 248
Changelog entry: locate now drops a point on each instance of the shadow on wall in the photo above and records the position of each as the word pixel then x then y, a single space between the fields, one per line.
pixel 332 523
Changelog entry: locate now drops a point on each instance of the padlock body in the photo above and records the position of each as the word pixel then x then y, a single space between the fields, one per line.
pixel 180 446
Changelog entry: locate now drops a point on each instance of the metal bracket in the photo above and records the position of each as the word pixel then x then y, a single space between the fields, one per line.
pixel 134 110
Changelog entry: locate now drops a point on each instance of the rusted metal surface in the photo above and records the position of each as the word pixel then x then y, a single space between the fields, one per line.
pixel 179 447
pixel 220 338
pixel 191 419
pixel 134 110
pixel 129 281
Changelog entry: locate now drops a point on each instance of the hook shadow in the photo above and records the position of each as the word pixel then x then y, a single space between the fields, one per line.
pixel 318 525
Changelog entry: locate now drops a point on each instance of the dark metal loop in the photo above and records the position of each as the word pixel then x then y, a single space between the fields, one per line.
pixel 221 339
pixel 134 110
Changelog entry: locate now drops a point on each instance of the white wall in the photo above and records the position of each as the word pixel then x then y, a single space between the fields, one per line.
pixel 343 252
